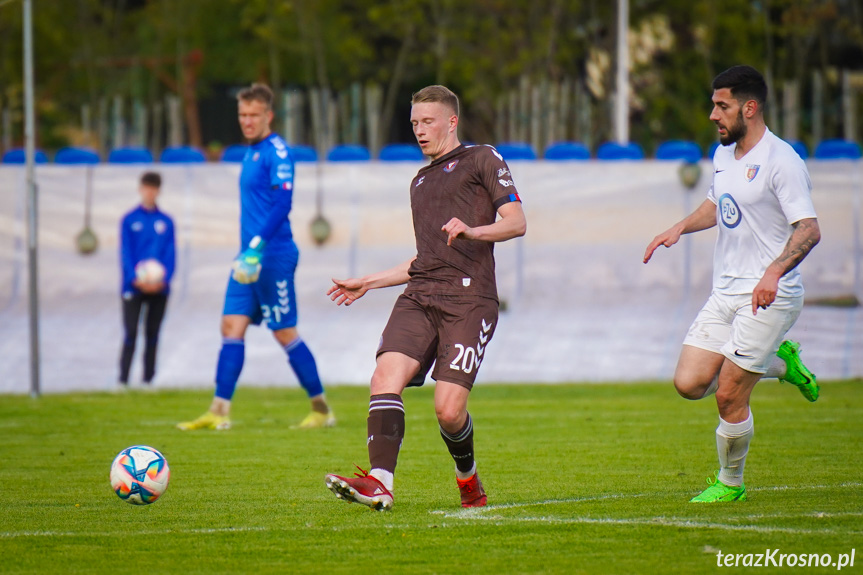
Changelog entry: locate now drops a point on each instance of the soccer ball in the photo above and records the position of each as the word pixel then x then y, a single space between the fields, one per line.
pixel 150 271
pixel 139 475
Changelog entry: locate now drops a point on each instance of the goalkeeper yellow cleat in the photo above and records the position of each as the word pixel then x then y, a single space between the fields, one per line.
pixel 317 420
pixel 207 421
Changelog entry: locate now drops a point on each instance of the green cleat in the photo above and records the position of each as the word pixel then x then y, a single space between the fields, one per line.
pixel 796 373
pixel 718 492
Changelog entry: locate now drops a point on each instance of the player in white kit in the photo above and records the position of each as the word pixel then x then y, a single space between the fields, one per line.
pixel 761 201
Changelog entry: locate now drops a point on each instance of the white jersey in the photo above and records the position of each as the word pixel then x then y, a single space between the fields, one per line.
pixel 757 199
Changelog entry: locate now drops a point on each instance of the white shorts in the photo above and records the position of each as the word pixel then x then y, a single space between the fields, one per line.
pixel 725 325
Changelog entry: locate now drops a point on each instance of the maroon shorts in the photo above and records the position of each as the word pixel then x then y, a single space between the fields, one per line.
pixel 449 331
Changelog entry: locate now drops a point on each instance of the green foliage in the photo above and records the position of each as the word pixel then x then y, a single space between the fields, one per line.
pixel 581 479
pixel 90 49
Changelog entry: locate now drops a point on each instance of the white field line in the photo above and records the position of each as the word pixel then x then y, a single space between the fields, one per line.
pixel 481 513
pixel 800 487
pixel 487 513
pixel 653 521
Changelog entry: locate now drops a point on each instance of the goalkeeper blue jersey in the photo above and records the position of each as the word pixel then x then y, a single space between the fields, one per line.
pixel 266 184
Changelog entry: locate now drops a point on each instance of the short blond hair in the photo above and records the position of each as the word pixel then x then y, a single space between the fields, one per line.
pixel 257 93
pixel 437 93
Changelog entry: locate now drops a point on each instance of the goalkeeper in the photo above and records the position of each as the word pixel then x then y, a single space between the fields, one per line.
pixel 261 286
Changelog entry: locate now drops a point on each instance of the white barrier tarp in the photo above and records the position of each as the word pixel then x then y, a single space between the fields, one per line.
pixel 582 306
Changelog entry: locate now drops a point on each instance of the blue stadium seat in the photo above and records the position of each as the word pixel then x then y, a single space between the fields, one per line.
pixel 130 156
pixel 567 151
pixel 679 150
pixel 348 153
pixel 615 151
pixel 304 154
pixel 76 156
pixel 234 153
pixel 516 151
pixel 800 148
pixel 401 153
pixel 182 155
pixel 837 150
pixel 18 156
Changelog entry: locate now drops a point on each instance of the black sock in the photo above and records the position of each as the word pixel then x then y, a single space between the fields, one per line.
pixel 460 445
pixel 386 429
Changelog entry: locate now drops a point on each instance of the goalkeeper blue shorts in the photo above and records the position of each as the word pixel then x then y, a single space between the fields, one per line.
pixel 271 299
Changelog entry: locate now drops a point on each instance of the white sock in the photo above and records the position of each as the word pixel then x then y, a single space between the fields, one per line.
pixel 466 475
pixel 777 368
pixel 732 443
pixel 384 477
pixel 711 389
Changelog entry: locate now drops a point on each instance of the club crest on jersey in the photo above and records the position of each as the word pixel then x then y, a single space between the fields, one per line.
pixel 160 226
pixel 450 167
pixel 751 171
pixel 256 156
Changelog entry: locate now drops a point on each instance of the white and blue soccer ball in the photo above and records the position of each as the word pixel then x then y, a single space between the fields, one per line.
pixel 150 271
pixel 139 475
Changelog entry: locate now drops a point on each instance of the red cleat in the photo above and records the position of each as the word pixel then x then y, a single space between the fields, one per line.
pixel 472 493
pixel 363 489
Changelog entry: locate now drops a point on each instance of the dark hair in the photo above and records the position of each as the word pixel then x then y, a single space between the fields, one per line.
pixel 257 92
pixel 745 82
pixel 152 179
pixel 436 93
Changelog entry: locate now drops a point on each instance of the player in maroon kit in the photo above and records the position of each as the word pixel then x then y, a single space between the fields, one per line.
pixel 448 312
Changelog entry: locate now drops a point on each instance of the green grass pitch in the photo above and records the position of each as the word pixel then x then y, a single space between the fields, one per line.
pixel 581 479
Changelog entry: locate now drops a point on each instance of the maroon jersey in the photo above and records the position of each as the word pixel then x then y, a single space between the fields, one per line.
pixel 470 183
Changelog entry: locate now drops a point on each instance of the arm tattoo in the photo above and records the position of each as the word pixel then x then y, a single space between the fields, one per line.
pixel 804 237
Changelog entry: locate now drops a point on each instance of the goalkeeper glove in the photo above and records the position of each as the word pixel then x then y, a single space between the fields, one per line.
pixel 247 265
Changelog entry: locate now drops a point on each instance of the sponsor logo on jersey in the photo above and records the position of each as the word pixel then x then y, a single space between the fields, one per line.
pixel 282 154
pixel 450 167
pixel 729 211
pixel 160 226
pixel 502 172
pixel 284 171
pixel 256 156
pixel 751 171
pixel 420 181
pixel 506 183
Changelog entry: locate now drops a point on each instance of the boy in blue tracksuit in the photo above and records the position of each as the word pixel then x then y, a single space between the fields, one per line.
pixel 145 233
pixel 261 287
